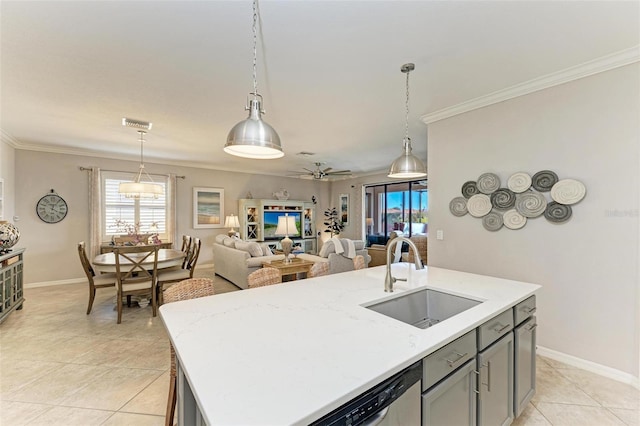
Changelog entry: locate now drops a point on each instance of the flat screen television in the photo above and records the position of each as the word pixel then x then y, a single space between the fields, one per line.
pixel 270 221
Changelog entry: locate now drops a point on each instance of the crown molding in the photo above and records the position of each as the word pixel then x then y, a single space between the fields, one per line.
pixel 7 138
pixel 602 64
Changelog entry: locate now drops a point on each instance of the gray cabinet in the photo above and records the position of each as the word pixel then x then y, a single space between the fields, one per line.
pixel 495 383
pixel 453 400
pixel 525 364
pixel 11 276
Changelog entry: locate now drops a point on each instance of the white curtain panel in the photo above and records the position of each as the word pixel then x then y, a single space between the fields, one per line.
pixel 95 209
pixel 171 207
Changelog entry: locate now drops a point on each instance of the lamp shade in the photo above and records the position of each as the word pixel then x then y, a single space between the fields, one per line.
pixel 253 138
pixel 139 190
pixel 407 165
pixel 231 221
pixel 286 225
pixel 369 221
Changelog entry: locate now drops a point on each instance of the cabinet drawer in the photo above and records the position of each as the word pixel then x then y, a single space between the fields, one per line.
pixel 447 359
pixel 524 309
pixel 495 328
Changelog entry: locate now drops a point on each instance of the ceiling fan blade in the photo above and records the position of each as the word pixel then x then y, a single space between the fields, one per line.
pixel 310 171
pixel 340 172
pixel 327 169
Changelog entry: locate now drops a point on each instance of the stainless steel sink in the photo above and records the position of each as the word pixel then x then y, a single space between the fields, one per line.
pixel 424 308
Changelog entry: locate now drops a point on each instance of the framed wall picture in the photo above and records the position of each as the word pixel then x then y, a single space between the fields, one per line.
pixel 208 207
pixel 343 208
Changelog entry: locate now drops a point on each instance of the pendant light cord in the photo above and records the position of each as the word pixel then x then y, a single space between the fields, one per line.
pixel 406 121
pixel 255 50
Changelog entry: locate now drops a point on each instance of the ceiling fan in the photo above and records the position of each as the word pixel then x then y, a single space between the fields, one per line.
pixel 321 174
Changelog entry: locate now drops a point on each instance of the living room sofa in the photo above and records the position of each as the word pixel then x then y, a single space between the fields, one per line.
pixel 235 259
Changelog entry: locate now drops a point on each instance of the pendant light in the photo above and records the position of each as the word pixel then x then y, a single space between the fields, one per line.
pixel 407 165
pixel 138 189
pixel 253 138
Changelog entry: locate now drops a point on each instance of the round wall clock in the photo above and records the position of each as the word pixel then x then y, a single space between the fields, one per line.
pixel 51 208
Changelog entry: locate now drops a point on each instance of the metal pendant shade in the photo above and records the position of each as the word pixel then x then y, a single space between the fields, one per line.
pixel 254 138
pixel 407 166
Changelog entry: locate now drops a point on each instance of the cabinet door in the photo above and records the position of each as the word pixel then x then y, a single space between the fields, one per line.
pixel 453 400
pixel 495 398
pixel 525 364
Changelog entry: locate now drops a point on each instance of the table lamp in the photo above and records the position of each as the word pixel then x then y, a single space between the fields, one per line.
pixel 231 222
pixel 286 226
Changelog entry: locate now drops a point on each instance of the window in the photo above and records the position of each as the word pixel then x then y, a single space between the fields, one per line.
pixel 396 207
pixel 150 214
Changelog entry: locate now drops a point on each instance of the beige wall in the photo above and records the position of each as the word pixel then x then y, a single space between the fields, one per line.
pixel 588 130
pixel 51 248
pixel 7 172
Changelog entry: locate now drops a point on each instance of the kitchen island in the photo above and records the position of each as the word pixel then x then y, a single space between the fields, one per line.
pixel 290 353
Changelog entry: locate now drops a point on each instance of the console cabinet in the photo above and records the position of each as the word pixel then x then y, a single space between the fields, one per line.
pixel 252 227
pixel 11 280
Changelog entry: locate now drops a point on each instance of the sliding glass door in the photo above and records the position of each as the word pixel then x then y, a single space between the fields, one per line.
pixel 399 207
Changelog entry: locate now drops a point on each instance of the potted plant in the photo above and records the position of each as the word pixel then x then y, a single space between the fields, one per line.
pixel 332 222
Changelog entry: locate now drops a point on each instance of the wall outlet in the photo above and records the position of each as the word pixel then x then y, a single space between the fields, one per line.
pixel 439 234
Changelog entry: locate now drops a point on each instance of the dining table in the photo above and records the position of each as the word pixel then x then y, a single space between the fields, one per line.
pixel 167 258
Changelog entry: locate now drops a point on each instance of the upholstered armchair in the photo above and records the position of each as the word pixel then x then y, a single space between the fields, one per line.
pixel 378 252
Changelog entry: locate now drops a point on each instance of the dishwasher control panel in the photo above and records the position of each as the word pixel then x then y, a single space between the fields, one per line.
pixel 376 399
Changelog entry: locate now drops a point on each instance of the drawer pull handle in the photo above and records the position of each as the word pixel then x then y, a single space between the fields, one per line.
pixel 460 356
pixel 529 310
pixel 531 327
pixel 501 329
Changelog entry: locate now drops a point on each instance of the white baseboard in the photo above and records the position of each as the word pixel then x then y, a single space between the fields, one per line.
pixel 84 280
pixel 58 282
pixel 590 366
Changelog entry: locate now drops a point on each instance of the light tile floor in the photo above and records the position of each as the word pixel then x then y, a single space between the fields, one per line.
pixel 59 366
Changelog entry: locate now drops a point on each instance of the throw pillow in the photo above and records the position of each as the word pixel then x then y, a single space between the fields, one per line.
pixel 229 242
pixel 266 250
pixel 220 238
pixel 250 247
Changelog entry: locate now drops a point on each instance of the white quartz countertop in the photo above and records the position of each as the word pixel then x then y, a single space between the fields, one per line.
pixel 293 352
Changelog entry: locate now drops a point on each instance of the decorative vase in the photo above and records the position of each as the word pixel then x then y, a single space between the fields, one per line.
pixel 9 236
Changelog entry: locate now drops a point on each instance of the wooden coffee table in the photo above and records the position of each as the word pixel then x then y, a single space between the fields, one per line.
pixel 292 268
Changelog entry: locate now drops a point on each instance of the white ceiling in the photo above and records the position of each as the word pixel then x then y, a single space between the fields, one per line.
pixel 329 71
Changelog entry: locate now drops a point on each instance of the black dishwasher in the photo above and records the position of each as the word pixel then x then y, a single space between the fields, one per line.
pixel 373 406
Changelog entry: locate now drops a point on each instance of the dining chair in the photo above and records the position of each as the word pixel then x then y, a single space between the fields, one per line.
pixel 263 277
pixel 95 281
pixel 174 275
pixel 184 290
pixel 318 269
pixel 132 277
pixel 186 246
pixel 358 262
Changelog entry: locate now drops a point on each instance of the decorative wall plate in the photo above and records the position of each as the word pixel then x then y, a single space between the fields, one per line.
pixel 488 183
pixel 469 189
pixel 503 199
pixel 557 213
pixel 568 191
pixel 479 205
pixel 458 206
pixel 519 182
pixel 514 220
pixel 531 204
pixel 544 180
pixel 493 221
